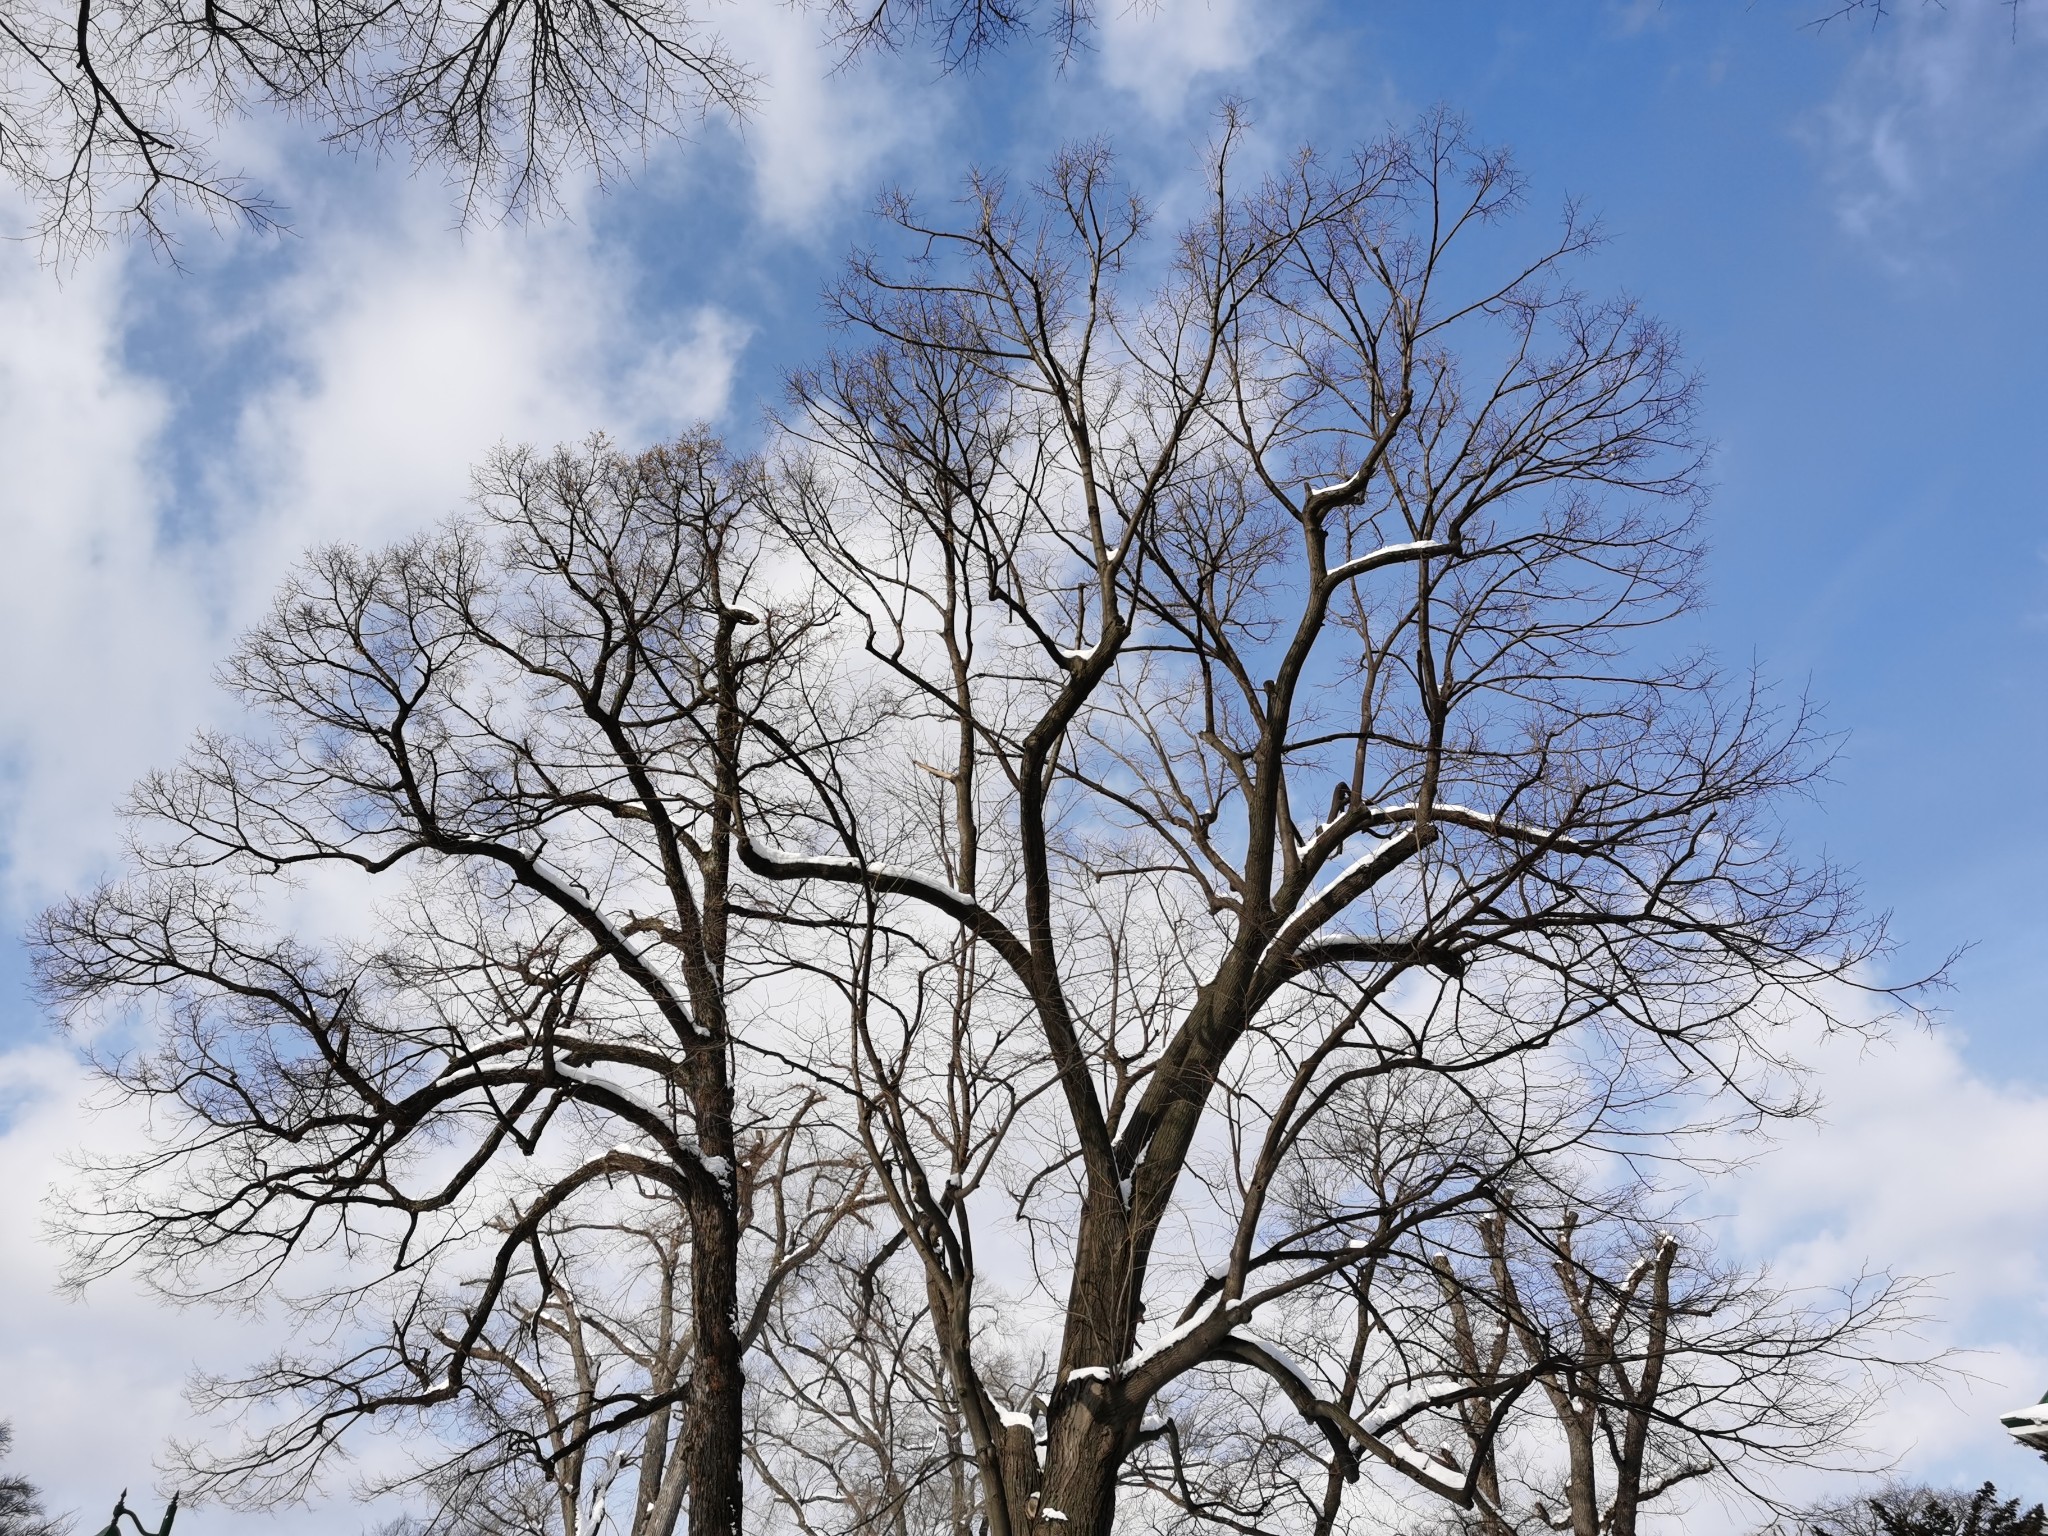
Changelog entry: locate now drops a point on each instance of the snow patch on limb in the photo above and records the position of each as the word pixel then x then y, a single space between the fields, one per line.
pixel 1279 1356
pixel 1424 1469
pixel 1010 1418
pixel 1400 1410
pixel 923 882
pixel 1305 921
pixel 1172 1336
pixel 571 892
pixel 1386 554
pixel 1483 821
pixel 1378 849
pixel 718 1168
pixel 916 881
pixel 591 1079
pixel 1299 928
pixel 1090 1373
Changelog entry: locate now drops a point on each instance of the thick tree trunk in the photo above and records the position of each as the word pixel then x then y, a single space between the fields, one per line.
pixel 1081 1501
pixel 1011 1493
pixel 711 1432
pixel 1085 1449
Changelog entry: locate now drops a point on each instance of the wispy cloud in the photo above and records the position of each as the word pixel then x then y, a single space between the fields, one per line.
pixel 824 130
pixel 95 611
pixel 1166 56
pixel 1937 107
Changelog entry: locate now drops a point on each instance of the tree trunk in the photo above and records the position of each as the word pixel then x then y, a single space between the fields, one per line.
pixel 1085 1449
pixel 711 1433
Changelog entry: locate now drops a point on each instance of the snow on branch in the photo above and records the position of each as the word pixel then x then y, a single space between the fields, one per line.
pixel 1391 554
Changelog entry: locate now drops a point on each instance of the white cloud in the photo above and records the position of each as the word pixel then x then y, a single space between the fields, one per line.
pixel 95 615
pixel 1939 105
pixel 820 136
pixel 411 353
pixel 402 357
pixel 1166 53
pixel 1921 1166
pixel 94 1387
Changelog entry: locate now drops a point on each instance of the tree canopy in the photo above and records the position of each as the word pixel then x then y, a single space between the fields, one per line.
pixel 1113 932
pixel 110 109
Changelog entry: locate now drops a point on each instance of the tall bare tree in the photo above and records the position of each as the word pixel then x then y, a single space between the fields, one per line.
pixel 527 734
pixel 1156 812
pixel 1283 767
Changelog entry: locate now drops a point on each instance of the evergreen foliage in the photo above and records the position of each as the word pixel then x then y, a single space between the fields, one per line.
pixel 21 1506
pixel 1932 1512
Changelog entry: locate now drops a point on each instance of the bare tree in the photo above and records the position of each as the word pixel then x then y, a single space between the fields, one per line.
pixel 611 1325
pixel 1280 763
pixel 1664 1370
pixel 1156 813
pixel 528 733
pixel 107 109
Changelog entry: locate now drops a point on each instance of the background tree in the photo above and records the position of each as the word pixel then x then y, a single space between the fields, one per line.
pixel 1929 1512
pixel 21 1507
pixel 526 735
pixel 1664 1368
pixel 856 1429
pixel 1280 774
pixel 611 1326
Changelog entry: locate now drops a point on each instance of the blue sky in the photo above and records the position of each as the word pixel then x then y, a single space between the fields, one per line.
pixel 1849 229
